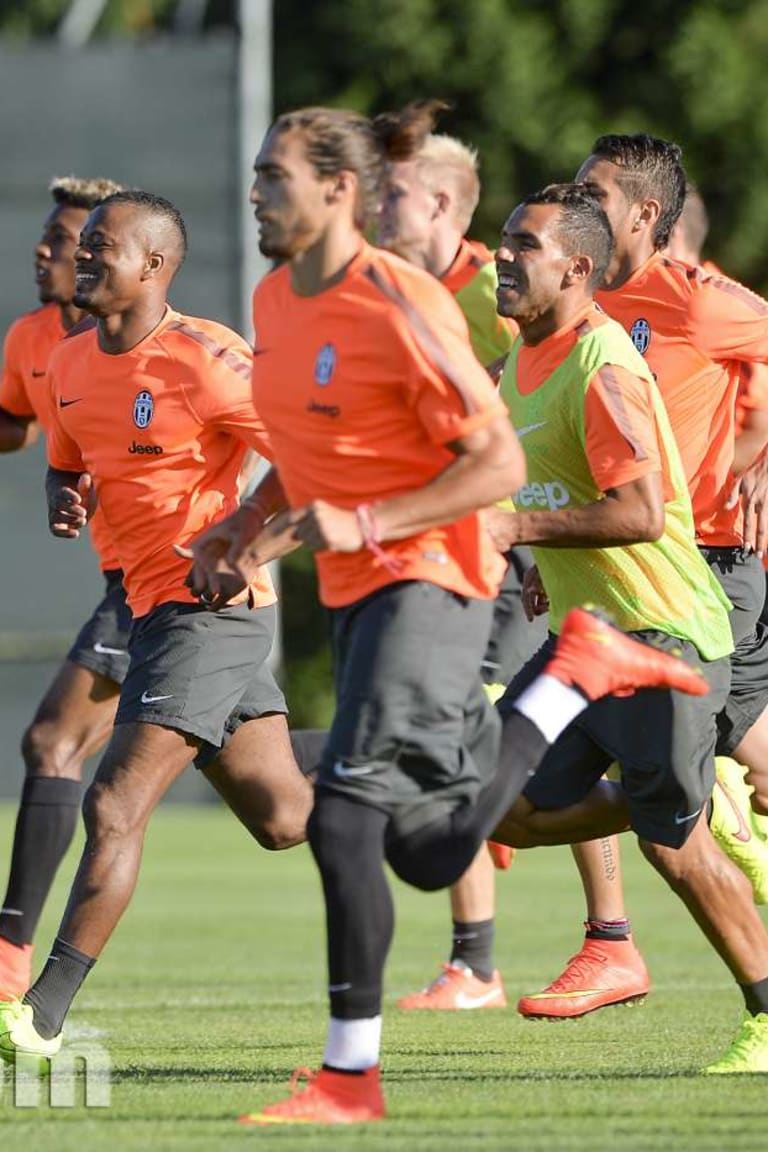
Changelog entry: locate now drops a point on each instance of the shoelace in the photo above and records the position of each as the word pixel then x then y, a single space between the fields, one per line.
pixel 450 972
pixel 297 1076
pixel 577 969
pixel 747 1034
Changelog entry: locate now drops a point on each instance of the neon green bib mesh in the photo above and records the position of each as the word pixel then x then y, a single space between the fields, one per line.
pixel 664 586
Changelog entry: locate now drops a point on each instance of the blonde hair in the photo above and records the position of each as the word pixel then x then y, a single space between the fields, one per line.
pixel 81 191
pixel 446 159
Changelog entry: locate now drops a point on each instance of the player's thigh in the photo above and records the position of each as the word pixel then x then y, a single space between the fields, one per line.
pixel 257 775
pixel 404 656
pixel 139 765
pixel 407 675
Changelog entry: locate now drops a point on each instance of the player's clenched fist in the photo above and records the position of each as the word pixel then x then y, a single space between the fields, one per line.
pixel 71 502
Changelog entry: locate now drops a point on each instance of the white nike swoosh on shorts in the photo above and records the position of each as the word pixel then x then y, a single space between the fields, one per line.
pixel 684 819
pixel 103 650
pixel 343 770
pixel 145 699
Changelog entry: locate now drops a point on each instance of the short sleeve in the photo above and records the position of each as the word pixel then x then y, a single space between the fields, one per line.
pixel 621 435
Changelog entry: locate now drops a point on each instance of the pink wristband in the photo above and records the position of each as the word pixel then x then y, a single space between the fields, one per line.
pixel 369 530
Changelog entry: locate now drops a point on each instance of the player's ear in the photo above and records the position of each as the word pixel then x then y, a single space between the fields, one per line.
pixel 153 265
pixel 341 185
pixel 647 214
pixel 442 203
pixel 579 270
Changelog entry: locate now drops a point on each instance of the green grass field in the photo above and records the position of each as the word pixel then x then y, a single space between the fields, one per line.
pixel 211 993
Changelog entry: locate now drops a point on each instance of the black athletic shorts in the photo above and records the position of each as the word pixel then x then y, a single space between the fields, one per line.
pixel 513 638
pixel 414 734
pixel 742 577
pixel 200 672
pixel 663 741
pixel 102 642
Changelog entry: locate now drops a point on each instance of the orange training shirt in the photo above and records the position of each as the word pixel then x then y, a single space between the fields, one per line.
pixel 693 329
pixel 24 391
pixel 163 430
pixel 361 387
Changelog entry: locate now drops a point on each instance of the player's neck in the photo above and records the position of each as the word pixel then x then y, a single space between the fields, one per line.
pixel 325 262
pixel 567 309
pixel 443 250
pixel 124 330
pixel 625 266
pixel 70 315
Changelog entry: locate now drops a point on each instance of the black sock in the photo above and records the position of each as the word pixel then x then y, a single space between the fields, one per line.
pixel 473 946
pixel 755 997
pixel 45 825
pixel 56 987
pixel 347 842
pixel 436 855
pixel 608 929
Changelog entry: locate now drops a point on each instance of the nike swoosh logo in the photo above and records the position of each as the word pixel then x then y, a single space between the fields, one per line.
pixel 684 819
pixel 147 699
pixel 37 374
pixel 742 832
pixel 340 769
pixel 66 403
pixel 103 650
pixel 463 1000
pixel 529 428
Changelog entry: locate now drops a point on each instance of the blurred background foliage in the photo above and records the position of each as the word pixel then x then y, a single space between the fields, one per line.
pixel 532 84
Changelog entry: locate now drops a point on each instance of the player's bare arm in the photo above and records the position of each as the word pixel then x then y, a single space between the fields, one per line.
pixel 71 502
pixel 488 466
pixel 751 487
pixel 631 513
pixel 17 432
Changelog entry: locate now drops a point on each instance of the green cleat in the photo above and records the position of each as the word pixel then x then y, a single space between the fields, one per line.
pixel 748 1052
pixel 18 1035
pixel 733 826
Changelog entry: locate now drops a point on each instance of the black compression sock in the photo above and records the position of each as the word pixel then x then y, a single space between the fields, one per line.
pixel 56 987
pixel 436 856
pixel 473 946
pixel 755 997
pixel 45 825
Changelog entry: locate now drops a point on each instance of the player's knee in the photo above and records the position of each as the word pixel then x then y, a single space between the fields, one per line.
pixel 283 832
pixel 679 865
pixel 106 816
pixel 49 751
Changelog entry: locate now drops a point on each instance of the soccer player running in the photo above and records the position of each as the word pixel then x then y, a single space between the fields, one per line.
pixel 429 200
pixel 607 510
pixel 75 716
pixel 387 437
pixel 154 412
pixel 701 335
